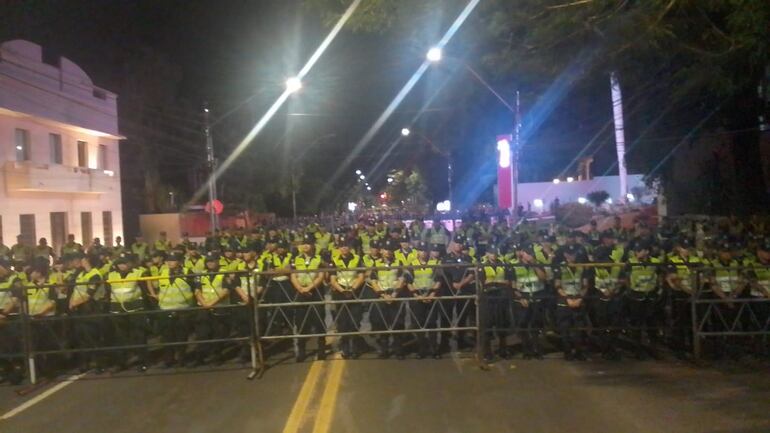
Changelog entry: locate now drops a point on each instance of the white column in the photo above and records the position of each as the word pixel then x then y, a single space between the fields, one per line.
pixel 620 137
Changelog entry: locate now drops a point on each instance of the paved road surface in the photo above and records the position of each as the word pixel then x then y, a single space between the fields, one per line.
pixel 450 395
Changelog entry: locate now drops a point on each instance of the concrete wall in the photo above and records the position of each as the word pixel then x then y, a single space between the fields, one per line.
pixel 152 224
pixel 571 191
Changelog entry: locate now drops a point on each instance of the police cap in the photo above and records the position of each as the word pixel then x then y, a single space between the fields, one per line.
pixel 390 245
pixel 282 244
pixel 375 243
pixel 308 239
pixel 158 253
pixel 421 246
pixel 212 256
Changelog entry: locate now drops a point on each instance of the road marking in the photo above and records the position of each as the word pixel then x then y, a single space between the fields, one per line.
pixel 329 399
pixel 303 399
pixel 31 402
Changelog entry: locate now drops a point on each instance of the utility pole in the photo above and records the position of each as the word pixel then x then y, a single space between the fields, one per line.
pixel 449 176
pixel 515 162
pixel 212 166
pixel 620 136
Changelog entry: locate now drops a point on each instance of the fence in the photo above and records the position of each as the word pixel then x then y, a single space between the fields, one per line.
pixel 400 305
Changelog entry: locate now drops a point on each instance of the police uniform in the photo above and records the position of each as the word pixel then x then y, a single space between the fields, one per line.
pixel 278 288
pixel 643 296
pixel 459 282
pixel 346 285
pixel 529 280
pixel 88 298
pixel 497 293
pixel 571 288
pixel 10 331
pixel 606 303
pixel 212 292
pixel 423 279
pixel 385 283
pixel 682 282
pixel 308 283
pixel 126 296
pixel 175 297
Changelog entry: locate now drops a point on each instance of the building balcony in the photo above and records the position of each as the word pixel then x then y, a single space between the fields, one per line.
pixel 34 177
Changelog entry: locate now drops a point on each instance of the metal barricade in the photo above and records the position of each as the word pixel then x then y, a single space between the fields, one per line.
pixel 737 308
pixel 302 304
pixel 98 331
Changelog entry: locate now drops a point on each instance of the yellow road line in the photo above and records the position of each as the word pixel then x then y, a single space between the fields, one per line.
pixel 303 400
pixel 329 398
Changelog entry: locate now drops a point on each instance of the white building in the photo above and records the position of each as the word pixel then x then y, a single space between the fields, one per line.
pixel 59 159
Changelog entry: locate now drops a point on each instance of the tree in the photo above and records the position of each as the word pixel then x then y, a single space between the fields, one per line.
pixel 408 190
pixel 687 68
pixel 598 197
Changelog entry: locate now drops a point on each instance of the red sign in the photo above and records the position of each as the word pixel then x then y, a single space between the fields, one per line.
pixel 218 207
pixel 504 172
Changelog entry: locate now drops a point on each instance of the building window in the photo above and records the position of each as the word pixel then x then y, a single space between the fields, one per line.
pixel 27 225
pixel 56 149
pixel 82 154
pixel 107 223
pixel 102 157
pixel 22 145
pixel 86 228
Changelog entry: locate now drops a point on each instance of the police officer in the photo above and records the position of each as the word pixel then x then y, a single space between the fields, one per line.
pixel 175 297
pixel 497 296
pixel 758 276
pixel 87 299
pixel 571 287
pixel 385 283
pixel 308 283
pixel 162 243
pixel 606 303
pixel 423 280
pixel 126 296
pixel 40 298
pixel 193 260
pixel 727 282
pixel 529 283
pixel 212 291
pixel 346 283
pixel 460 280
pixel 642 299
pixel 278 287
pixel 10 332
pixel 139 248
pixel 681 282
pixel 405 254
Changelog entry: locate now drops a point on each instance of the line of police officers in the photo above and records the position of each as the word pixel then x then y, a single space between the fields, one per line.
pixel 528 278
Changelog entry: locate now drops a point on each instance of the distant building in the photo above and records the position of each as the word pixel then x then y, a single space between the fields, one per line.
pixel 58 150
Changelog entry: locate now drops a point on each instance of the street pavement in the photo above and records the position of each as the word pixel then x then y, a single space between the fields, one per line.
pixel 370 395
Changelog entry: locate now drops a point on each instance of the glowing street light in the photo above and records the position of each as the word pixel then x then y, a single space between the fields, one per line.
pixel 434 55
pixel 570 179
pixel 390 180
pixel 405 132
pixel 358 172
pixel 368 188
pixel 556 181
pixel 293 84
pixel 362 177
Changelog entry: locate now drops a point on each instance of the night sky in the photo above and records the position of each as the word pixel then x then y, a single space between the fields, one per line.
pixel 228 52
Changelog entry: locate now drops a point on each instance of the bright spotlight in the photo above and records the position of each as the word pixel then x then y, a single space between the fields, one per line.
pixel 504 147
pixel 538 202
pixel 570 179
pixel 362 177
pixel 368 188
pixel 630 197
pixel 405 132
pixel 358 172
pixel 390 180
pixel 352 206
pixel 293 84
pixel 556 181
pixel 19 147
pixel 383 196
pixel 444 206
pixel 582 200
pixel 434 54
pixel 609 201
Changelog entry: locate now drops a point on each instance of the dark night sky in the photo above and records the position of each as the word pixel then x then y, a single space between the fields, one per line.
pixel 228 50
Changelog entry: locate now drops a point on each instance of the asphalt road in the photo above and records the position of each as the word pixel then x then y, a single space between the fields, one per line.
pixel 449 395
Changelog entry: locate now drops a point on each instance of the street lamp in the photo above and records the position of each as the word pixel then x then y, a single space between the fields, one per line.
pixel 434 55
pixel 293 84
pixel 358 172
pixel 405 132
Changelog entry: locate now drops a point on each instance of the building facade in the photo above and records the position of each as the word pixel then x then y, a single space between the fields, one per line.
pixel 59 156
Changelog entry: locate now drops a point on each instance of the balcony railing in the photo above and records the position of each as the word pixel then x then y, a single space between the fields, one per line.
pixel 28 176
